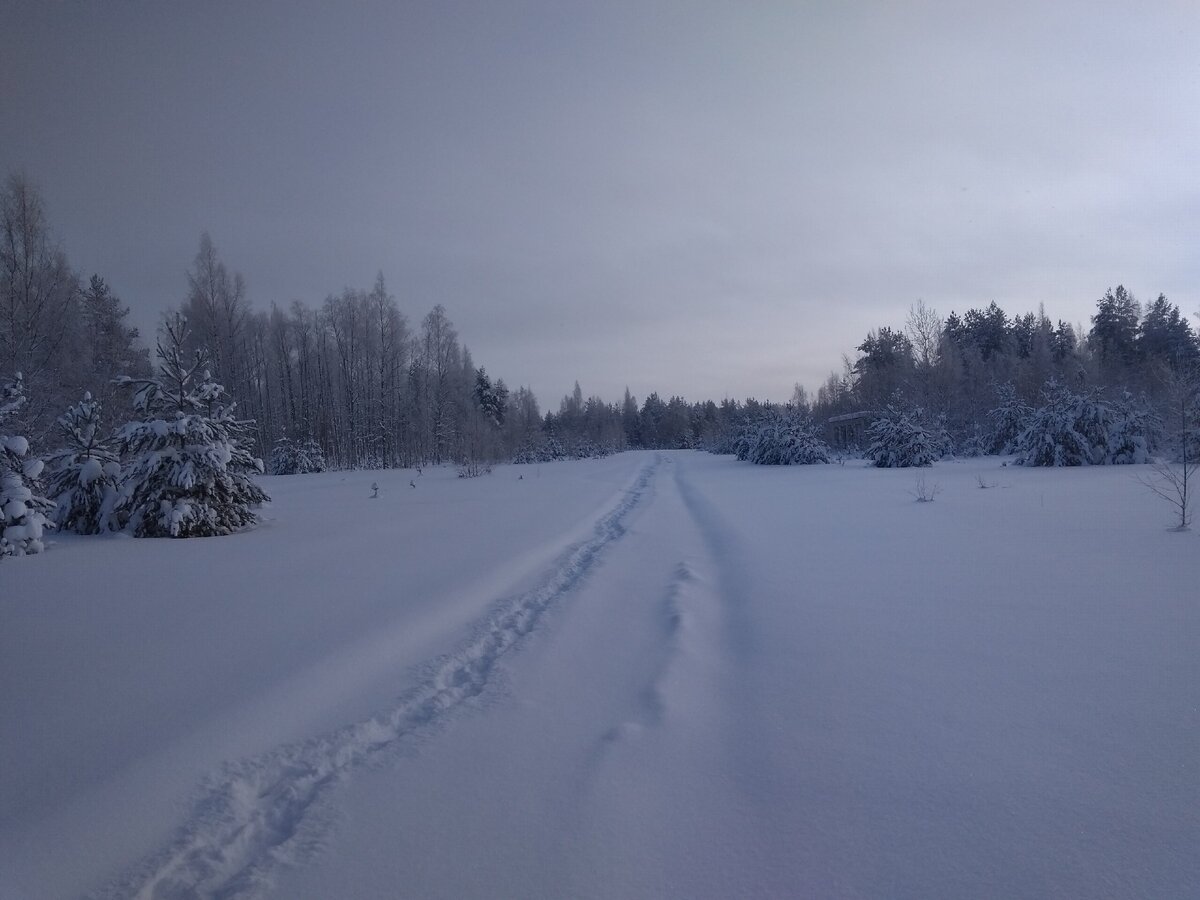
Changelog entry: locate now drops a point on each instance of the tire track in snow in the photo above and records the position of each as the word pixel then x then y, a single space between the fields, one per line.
pixel 258 813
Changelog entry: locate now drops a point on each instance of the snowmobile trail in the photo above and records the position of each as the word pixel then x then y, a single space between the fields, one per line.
pixel 259 813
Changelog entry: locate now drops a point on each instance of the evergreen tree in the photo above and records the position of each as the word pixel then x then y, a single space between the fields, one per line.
pixel 1083 429
pixel 83 475
pixel 899 440
pixel 114 347
pixel 781 439
pixel 885 366
pixel 1008 419
pixel 23 508
pixel 630 421
pixel 190 467
pixel 1165 336
pixel 491 399
pixel 1114 331
pixel 290 457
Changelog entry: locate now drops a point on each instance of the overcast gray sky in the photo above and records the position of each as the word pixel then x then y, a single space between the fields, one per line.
pixel 712 199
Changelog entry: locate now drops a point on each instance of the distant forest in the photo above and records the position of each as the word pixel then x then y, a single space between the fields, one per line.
pixel 371 388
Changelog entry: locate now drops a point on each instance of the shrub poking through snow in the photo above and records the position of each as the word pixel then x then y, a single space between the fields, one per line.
pixel 1071 429
pixel 1176 483
pixel 190 467
pixel 23 508
pixel 83 475
pixel 291 457
pixel 900 441
pixel 781 439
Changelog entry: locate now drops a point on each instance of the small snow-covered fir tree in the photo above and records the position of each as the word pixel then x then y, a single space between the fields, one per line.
pixel 973 442
pixel 283 457
pixel 1008 419
pixel 309 457
pixel 539 450
pixel 83 475
pixel 1071 429
pixel 781 439
pixel 23 508
pixel 290 457
pixel 900 441
pixel 189 471
pixel 1132 429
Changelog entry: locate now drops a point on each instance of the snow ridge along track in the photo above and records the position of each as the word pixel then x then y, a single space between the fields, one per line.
pixel 257 813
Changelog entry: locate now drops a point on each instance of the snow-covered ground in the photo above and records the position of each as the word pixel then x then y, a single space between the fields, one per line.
pixel 658 674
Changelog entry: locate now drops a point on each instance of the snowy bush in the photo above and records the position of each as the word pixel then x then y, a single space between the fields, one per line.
pixel 1068 429
pixel 1132 431
pixel 585 448
pixel 1009 419
pixel 473 468
pixel 190 471
pixel 83 475
pixel 781 440
pixel 23 508
pixel 291 457
pixel 1071 429
pixel 900 441
pixel 973 442
pixel 547 449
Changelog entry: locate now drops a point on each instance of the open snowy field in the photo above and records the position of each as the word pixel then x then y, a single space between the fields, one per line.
pixel 661 674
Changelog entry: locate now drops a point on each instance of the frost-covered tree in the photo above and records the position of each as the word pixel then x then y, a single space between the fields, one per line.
pixel 1083 429
pixel 39 324
pixel 1008 419
pixel 291 457
pixel 23 508
pixel 190 467
pixel 781 439
pixel 83 474
pixel 1068 429
pixel 900 441
pixel 1132 430
pixel 1114 334
pixel 1175 481
pixel 540 449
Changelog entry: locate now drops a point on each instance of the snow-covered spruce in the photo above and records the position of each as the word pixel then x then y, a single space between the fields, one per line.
pixel 23 508
pixel 781 439
pixel 1071 429
pixel 1009 419
pixel 1132 430
pixel 84 473
pixel 190 468
pixel 900 441
pixel 290 457
pixel 974 441
pixel 549 448
pixel 542 450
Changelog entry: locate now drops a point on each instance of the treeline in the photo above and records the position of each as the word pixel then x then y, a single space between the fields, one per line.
pixel 352 375
pixel 357 380
pixel 352 378
pixel 964 371
pixel 65 337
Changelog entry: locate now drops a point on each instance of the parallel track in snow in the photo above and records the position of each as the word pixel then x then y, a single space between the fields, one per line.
pixel 259 813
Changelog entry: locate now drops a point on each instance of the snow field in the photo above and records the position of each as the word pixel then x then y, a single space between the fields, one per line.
pixel 659 674
pixel 195 652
